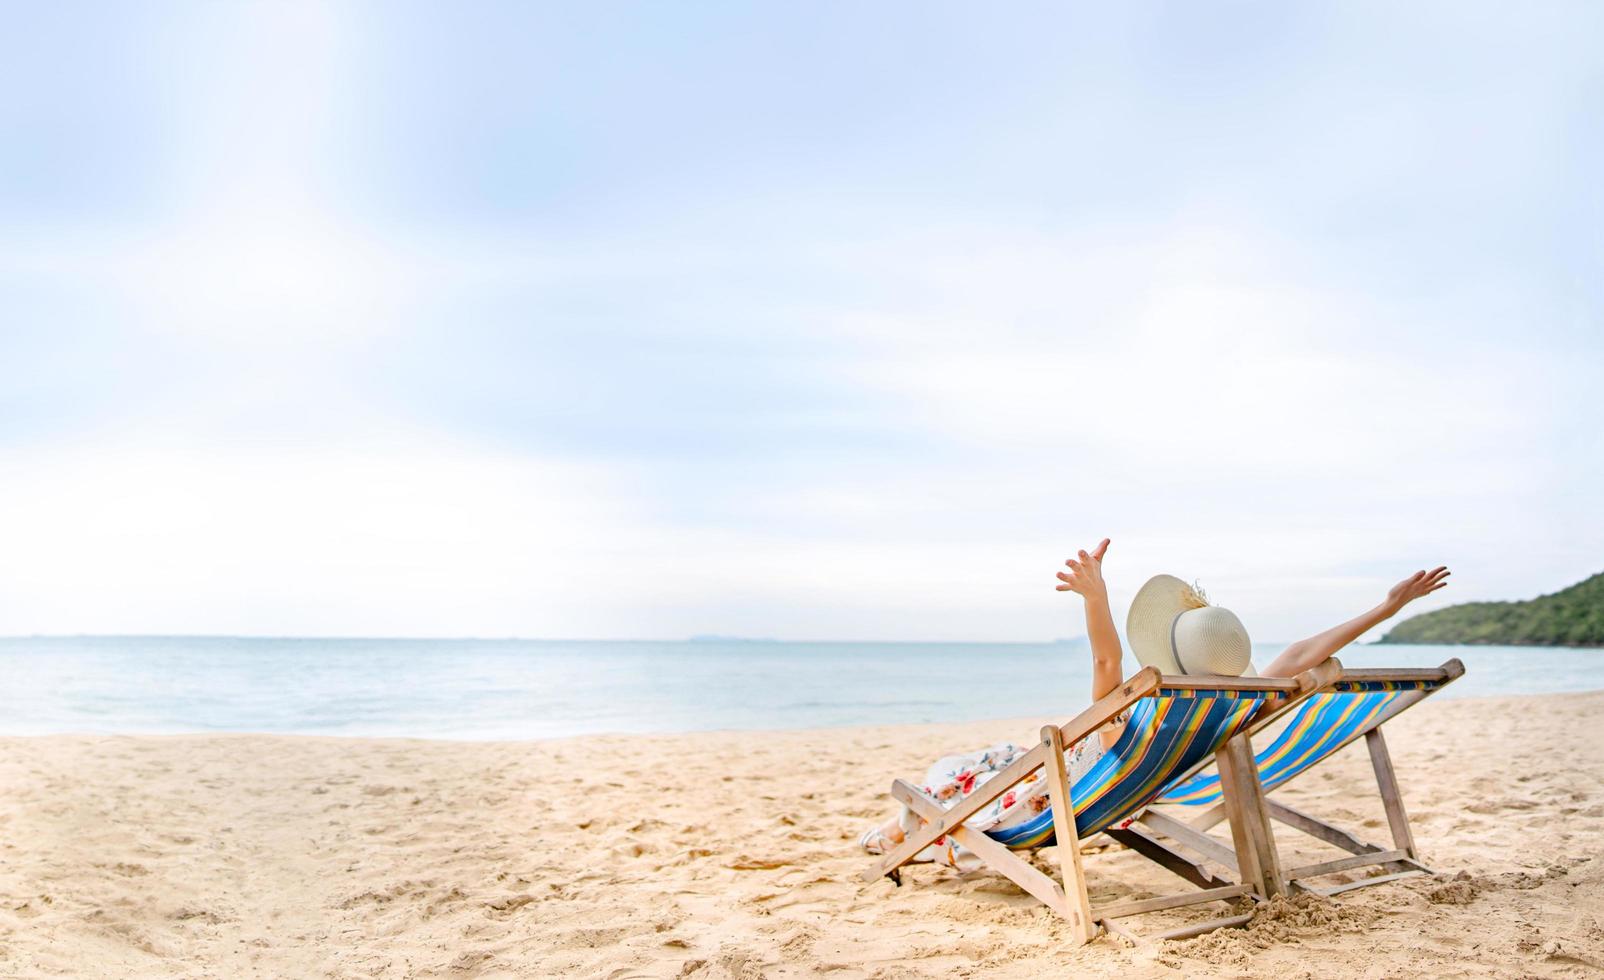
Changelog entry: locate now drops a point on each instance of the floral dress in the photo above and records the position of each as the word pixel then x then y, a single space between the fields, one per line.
pixel 954 777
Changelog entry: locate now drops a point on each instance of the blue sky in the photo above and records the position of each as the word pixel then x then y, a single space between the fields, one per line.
pixel 823 321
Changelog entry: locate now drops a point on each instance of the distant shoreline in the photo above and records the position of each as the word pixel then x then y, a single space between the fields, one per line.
pixel 1389 641
pixel 1570 618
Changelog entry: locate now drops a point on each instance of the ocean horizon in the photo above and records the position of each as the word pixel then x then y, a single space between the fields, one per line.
pixel 482 689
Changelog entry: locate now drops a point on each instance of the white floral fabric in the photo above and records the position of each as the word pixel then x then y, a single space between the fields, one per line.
pixel 954 777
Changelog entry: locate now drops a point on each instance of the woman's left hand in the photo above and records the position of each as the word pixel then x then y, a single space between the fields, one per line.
pixel 1085 575
pixel 1415 586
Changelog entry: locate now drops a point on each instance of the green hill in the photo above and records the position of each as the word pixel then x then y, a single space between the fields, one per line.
pixel 1572 617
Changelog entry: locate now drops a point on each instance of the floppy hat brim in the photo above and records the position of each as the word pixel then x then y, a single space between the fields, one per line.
pixel 1147 626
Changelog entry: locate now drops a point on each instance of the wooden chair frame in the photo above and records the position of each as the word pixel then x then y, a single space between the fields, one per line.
pixel 1250 821
pixel 1402 860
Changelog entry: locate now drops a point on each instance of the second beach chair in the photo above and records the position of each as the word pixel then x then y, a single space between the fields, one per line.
pixel 1356 704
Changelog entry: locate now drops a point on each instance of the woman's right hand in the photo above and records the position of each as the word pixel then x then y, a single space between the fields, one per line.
pixel 1085 575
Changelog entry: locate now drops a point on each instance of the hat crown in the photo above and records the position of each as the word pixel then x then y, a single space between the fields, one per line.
pixel 1172 627
pixel 1211 640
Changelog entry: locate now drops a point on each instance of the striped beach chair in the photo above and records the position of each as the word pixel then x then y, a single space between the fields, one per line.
pixel 1176 725
pixel 1355 705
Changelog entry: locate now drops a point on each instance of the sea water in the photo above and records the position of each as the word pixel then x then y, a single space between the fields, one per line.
pixel 492 689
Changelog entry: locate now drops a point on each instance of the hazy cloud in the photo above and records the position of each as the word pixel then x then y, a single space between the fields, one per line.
pixel 824 323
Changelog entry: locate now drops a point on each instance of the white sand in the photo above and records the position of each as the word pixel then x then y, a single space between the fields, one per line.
pixel 732 855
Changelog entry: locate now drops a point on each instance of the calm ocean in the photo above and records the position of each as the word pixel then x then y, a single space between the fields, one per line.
pixel 483 689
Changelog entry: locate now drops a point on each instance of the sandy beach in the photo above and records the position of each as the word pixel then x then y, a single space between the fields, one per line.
pixel 733 855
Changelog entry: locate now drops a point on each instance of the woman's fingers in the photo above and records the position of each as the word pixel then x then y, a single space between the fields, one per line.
pixel 1083 563
pixel 1433 580
pixel 1096 554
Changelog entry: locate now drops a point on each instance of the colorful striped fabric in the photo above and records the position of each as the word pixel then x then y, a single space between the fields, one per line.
pixel 1167 733
pixel 1320 726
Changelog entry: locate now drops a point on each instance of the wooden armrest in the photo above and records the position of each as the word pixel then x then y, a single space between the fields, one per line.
pixel 1105 709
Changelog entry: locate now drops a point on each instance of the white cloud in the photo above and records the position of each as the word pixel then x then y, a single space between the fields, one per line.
pixel 1296 362
pixel 338 540
pixel 1225 420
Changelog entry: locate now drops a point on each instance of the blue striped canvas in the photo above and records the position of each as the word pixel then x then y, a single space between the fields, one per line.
pixel 1166 734
pixel 1320 726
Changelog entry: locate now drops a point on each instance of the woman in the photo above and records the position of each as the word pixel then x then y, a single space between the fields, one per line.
pixel 1172 626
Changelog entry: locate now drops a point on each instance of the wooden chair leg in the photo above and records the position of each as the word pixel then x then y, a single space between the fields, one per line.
pixel 1167 857
pixel 1256 855
pixel 1391 797
pixel 993 854
pixel 1077 904
pixel 1210 818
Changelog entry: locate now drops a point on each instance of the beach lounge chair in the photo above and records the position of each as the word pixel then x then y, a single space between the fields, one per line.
pixel 1356 704
pixel 1176 724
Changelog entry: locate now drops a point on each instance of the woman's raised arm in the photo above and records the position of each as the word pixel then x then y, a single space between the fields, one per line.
pixel 1314 651
pixel 1085 577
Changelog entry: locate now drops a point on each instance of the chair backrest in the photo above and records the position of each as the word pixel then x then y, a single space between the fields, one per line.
pixel 1354 704
pixel 1167 734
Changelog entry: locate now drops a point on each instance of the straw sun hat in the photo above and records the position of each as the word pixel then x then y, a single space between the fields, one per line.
pixel 1171 626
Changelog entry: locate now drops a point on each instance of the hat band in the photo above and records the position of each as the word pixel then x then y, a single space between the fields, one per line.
pixel 1176 650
